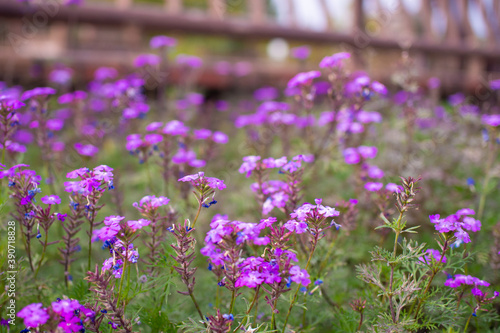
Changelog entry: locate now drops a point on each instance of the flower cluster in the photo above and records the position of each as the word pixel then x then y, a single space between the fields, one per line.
pixel 69 315
pixel 459 223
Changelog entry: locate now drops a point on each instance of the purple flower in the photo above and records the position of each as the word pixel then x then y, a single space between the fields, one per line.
pixel 146 59
pixel 351 156
pixel 460 279
pixel 105 73
pixel 373 187
pixel 366 117
pixel 55 124
pixel 297 227
pixel 375 172
pixel 367 152
pixel 199 180
pixel 491 120
pixel 150 203
pixel 34 315
pixel 38 92
pixel 432 255
pixel 303 79
pixel 189 61
pixel 175 127
pixel 162 41
pixel 301 52
pixel 335 60
pixel 251 279
pixel 456 99
pixel 86 150
pixel 476 292
pixel 220 137
pixel 136 225
pixel 457 223
pixel 434 83
pixel 266 94
pixel 51 200
pixel 394 188
pixel 299 276
pixel 61 75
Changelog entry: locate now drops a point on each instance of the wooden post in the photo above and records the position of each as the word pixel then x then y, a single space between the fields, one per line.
pixel 257 10
pixel 123 4
pixel 173 6
pixel 216 9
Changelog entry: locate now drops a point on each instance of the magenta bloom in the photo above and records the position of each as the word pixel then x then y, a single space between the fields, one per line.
pixel 491 120
pixel 458 223
pixel 391 187
pixel 175 127
pixel 367 152
pixel 351 156
pixel 136 225
pixel 373 187
pixel 38 92
pixel 34 315
pixel 151 202
pixel 297 227
pixel 189 61
pixel 51 200
pixel 375 172
pixel 299 276
pixel 469 280
pixel 266 94
pixel 303 79
pixel 199 180
pixel 86 150
pixel 220 137
pixel 301 52
pixel 335 60
pixel 146 59
pixel 432 255
pixel 162 41
pixel 495 84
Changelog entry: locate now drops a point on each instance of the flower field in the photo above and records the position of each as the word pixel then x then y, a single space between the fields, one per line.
pixel 333 204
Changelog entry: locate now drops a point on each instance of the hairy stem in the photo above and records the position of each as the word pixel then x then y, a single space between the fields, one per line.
pixel 313 248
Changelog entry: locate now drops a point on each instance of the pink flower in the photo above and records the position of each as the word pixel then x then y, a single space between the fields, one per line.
pixel 162 41
pixel 373 187
pixel 86 150
pixel 351 156
pixel 136 225
pixel 298 227
pixel 51 200
pixel 34 315
pixel 299 276
pixel 367 152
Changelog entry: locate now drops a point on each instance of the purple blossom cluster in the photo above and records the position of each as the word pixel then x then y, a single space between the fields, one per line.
pixel 458 223
pixel 69 316
pixel 91 181
pixel 433 256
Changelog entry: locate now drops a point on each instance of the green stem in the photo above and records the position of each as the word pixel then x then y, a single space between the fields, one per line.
pixel 90 245
pixel 124 272
pixel 198 212
pixel 256 296
pixel 313 248
pixel 328 254
pixel 467 323
pixel 43 255
pixel 434 272
pixel 397 231
pixel 233 296
pixel 197 306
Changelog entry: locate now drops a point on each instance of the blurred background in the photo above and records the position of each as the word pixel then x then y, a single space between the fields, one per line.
pixel 454 40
